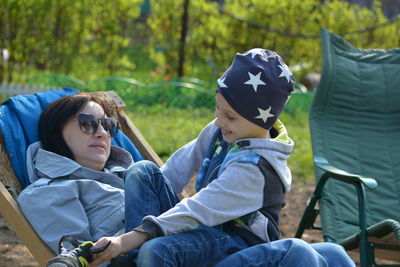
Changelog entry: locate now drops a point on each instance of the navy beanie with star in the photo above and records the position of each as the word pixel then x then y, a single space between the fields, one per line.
pixel 257 86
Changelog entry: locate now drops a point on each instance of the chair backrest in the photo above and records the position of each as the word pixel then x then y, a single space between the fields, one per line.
pixel 355 125
pixel 19 119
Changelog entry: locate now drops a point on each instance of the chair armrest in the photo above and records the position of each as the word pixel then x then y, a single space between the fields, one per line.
pixel 342 175
pixel 330 171
pixel 359 182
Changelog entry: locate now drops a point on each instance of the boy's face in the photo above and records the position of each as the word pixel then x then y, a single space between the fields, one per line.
pixel 233 125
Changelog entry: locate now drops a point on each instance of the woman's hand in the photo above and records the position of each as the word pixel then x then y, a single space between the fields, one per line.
pixel 118 245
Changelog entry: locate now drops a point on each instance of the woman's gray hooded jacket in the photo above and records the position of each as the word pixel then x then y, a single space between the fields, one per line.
pixel 66 198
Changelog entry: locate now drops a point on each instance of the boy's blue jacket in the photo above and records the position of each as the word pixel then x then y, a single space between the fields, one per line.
pixel 238 190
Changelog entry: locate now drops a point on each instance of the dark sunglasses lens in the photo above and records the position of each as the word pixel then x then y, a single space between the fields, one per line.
pixel 87 123
pixel 110 125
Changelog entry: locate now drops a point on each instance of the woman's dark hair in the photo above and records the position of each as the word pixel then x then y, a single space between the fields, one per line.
pixel 57 114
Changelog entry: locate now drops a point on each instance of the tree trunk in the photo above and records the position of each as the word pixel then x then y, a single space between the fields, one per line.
pixel 182 41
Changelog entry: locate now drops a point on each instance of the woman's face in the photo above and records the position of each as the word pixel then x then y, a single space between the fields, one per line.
pixel 89 150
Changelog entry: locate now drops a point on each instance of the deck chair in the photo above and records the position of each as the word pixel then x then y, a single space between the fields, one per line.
pixel 11 184
pixel 355 136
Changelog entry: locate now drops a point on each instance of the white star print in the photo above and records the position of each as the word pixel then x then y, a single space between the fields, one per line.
pixel 255 51
pixel 264 114
pixel 255 80
pixel 285 72
pixel 221 82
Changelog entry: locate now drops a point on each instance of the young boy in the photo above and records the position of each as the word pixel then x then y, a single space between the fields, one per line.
pixel 242 176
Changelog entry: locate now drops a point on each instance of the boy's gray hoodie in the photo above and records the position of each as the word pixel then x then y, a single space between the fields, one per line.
pixel 239 189
pixel 66 198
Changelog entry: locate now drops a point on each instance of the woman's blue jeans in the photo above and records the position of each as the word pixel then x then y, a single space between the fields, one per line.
pixel 147 192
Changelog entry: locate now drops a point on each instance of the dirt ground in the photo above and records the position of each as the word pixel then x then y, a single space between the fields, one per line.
pixel 15 254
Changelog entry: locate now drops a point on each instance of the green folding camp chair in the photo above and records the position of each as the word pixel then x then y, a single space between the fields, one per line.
pixel 355 134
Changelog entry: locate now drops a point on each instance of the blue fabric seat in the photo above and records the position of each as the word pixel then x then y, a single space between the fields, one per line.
pixel 19 119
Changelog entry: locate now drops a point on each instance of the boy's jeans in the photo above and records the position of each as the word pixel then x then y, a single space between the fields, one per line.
pixel 289 252
pixel 147 192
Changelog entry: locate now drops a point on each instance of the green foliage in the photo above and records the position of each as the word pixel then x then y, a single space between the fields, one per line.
pixel 182 92
pixel 55 81
pixel 214 37
pixel 61 35
pixel 90 39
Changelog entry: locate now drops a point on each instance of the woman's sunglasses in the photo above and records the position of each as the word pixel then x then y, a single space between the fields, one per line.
pixel 89 124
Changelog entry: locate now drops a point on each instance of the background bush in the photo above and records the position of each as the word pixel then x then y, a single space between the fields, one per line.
pixel 89 39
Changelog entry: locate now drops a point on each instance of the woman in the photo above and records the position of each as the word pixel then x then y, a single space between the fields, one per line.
pixel 76 175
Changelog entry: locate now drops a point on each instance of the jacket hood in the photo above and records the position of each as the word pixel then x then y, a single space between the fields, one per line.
pixel 276 151
pixel 42 163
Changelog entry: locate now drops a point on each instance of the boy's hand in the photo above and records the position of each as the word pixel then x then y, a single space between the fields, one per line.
pixel 113 250
pixel 118 245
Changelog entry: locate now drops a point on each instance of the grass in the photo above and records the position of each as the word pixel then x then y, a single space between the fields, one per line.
pixel 168 129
